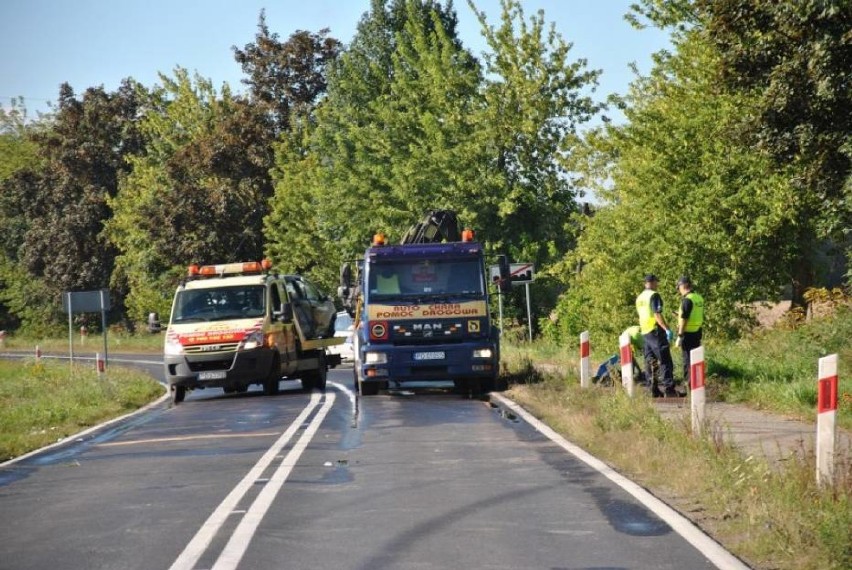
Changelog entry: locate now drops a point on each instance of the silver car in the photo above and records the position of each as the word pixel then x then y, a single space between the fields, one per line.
pixel 344 326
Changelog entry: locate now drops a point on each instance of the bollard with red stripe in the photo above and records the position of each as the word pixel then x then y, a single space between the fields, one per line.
pixel 626 354
pixel 38 353
pixel 99 363
pixel 585 363
pixel 696 388
pixel 826 417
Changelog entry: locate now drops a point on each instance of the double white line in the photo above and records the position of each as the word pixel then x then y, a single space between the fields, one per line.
pixel 242 535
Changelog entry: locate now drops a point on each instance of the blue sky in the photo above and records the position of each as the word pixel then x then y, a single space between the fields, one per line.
pixel 86 43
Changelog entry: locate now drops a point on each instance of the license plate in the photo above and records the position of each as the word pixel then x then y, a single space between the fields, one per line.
pixel 212 375
pixel 436 355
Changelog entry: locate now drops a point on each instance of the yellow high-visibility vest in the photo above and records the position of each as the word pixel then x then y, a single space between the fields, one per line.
pixel 696 316
pixel 647 322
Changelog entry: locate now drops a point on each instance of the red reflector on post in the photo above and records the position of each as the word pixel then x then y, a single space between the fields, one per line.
pixel 827 394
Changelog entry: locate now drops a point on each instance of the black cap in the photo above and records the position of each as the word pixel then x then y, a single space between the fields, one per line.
pixel 684 280
pixel 650 277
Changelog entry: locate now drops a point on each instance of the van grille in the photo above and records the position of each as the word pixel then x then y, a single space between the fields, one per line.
pixel 211 348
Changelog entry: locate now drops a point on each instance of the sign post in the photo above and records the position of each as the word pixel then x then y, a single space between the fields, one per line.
pixel 585 363
pixel 519 273
pixel 696 388
pixel 627 380
pixel 86 302
pixel 826 416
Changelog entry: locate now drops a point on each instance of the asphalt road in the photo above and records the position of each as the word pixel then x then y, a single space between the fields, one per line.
pixel 404 481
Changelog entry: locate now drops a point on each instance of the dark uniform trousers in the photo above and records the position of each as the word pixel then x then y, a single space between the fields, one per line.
pixel 657 347
pixel 689 341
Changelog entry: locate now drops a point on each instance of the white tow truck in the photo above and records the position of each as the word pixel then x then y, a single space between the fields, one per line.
pixel 237 324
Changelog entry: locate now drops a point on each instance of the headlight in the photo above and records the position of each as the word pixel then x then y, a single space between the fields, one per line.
pixel 482 353
pixel 375 358
pixel 173 347
pixel 252 340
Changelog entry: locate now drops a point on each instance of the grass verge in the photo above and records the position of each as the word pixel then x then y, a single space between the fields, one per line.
pixel 118 342
pixel 774 370
pixel 771 518
pixel 43 402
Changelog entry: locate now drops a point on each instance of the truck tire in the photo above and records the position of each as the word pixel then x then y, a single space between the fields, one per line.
pixel 319 377
pixel 178 394
pixel 368 388
pixel 273 379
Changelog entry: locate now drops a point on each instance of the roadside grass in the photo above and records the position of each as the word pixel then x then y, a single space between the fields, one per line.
pixel 770 517
pixel 43 402
pixel 777 369
pixel 774 369
pixel 119 341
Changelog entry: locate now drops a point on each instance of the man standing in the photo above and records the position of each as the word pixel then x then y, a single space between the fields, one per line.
pixel 657 334
pixel 690 318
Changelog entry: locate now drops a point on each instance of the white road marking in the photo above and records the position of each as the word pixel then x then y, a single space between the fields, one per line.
pixel 242 535
pixel 714 551
pixel 189 438
pixel 199 543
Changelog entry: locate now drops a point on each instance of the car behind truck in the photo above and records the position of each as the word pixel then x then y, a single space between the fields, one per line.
pixel 238 324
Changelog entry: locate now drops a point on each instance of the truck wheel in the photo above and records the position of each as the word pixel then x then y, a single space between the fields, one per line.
pixel 270 384
pixel 368 388
pixel 178 394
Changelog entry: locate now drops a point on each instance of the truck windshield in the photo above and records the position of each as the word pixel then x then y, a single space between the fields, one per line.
pixel 219 304
pixel 429 278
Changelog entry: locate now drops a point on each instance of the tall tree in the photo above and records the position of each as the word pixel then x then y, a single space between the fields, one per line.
pixel 17 149
pixel 286 77
pixel 792 59
pixel 198 194
pixel 386 143
pixel 679 194
pixel 60 206
pixel 411 124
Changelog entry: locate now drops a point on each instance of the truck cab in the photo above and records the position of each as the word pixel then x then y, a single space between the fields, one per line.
pixel 424 316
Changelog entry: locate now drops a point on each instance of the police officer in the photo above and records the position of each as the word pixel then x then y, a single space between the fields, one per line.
pixel 690 318
pixel 657 335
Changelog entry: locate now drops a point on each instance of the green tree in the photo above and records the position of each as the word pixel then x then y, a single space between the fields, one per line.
pixel 388 142
pixel 678 195
pixel 792 59
pixel 17 149
pixel 197 195
pixel 58 206
pixel 286 77
pixel 410 124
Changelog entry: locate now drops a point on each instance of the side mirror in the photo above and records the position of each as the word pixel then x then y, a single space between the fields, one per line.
pixel 346 276
pixel 505 283
pixel 154 323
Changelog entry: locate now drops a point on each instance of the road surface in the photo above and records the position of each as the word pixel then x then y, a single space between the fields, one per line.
pixel 325 480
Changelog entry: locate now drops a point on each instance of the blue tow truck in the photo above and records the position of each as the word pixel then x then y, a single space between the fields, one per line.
pixel 422 311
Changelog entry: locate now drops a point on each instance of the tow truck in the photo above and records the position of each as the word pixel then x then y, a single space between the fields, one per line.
pixel 237 324
pixel 421 309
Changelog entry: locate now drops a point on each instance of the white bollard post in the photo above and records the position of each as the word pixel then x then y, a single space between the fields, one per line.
pixel 826 412
pixel 99 364
pixel 585 363
pixel 627 380
pixel 696 388
pixel 38 353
